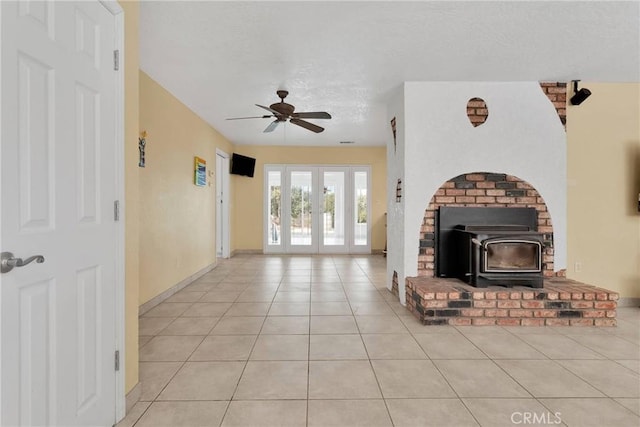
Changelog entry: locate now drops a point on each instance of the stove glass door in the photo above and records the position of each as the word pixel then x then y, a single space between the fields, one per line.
pixel 512 256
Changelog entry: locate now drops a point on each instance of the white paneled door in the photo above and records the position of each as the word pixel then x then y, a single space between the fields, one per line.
pixel 60 179
pixel 222 205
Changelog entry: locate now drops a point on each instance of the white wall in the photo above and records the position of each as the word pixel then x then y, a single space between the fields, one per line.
pixel 522 137
pixel 395 211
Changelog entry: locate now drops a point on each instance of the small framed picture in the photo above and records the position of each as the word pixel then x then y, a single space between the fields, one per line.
pixel 200 172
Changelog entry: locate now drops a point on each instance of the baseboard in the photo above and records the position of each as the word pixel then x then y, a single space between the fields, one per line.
pixel 260 252
pixel 175 288
pixel 133 397
pixel 246 252
pixel 629 302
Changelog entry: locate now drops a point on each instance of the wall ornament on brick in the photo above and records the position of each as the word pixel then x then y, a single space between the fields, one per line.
pixel 393 129
pixel 394 283
pixel 399 191
pixel 142 144
pixel 477 111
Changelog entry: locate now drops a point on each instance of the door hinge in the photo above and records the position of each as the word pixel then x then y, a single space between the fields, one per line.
pixel 116 60
pixel 116 210
pixel 117 360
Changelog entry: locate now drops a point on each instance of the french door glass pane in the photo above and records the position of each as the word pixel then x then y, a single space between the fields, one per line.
pixel 333 220
pixel 275 207
pixel 301 196
pixel 360 229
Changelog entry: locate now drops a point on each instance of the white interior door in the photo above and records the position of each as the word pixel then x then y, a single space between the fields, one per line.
pixel 60 179
pixel 222 205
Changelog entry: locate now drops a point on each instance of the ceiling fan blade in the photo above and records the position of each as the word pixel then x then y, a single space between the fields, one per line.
pixel 254 117
pixel 274 124
pixel 312 115
pixel 268 109
pixel 306 125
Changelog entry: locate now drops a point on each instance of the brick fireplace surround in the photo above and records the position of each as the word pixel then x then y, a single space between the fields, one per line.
pixel 482 189
pixel 562 302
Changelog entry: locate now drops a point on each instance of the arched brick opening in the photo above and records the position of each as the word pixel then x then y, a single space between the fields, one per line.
pixel 484 189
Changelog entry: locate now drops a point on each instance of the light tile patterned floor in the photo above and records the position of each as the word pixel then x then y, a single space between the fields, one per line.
pixel 319 341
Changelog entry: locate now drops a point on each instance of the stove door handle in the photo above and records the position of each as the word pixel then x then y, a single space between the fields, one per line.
pixel 476 242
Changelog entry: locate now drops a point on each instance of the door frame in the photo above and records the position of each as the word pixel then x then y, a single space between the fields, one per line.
pixel 222 180
pixel 118 14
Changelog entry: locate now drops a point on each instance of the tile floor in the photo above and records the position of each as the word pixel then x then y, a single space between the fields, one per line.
pixel 319 341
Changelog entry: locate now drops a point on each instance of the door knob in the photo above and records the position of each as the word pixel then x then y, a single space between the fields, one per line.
pixel 8 262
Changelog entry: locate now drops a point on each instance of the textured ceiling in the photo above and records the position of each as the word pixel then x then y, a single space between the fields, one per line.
pixel 221 58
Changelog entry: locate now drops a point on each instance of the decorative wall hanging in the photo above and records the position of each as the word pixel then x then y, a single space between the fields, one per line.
pixel 200 172
pixel 393 129
pixel 142 142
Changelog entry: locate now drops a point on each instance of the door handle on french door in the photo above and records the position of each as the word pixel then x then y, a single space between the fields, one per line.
pixel 8 262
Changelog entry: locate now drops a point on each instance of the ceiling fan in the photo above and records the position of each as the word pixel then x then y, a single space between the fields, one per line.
pixel 282 112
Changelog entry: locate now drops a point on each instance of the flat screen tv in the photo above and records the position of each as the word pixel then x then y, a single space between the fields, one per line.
pixel 242 165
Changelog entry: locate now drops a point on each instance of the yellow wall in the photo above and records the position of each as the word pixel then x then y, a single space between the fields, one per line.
pixel 177 218
pixel 131 11
pixel 603 136
pixel 247 223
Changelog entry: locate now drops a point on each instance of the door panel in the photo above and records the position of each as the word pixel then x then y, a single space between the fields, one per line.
pixel 361 241
pixel 36 179
pixel 89 290
pixel 335 213
pixel 303 230
pixel 88 152
pixel 274 211
pixel 35 335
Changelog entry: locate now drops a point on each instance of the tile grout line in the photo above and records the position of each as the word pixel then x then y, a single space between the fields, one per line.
pixel 373 371
pixel 226 410
pixel 309 351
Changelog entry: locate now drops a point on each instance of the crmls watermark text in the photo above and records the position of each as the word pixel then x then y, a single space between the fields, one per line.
pixel 544 418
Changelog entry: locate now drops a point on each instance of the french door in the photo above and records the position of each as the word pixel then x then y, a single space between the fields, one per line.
pixel 317 209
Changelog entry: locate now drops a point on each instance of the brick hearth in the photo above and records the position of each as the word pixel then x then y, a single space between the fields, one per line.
pixel 562 302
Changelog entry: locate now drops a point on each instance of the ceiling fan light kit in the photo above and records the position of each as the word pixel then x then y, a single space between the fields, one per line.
pixel 282 112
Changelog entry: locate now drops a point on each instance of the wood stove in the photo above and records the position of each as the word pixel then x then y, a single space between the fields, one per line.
pixel 490 246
